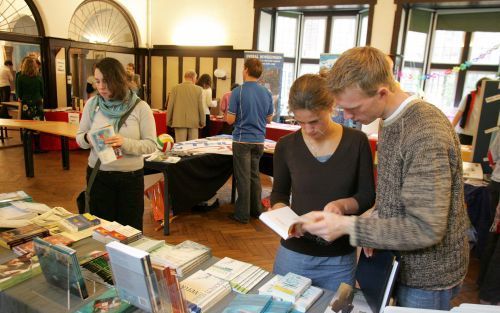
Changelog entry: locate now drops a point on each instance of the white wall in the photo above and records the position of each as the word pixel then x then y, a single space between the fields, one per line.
pixel 209 22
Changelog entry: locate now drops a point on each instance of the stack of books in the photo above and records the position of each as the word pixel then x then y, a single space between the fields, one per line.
pixel 116 232
pixel 17 236
pixel 28 248
pixel 172 294
pixel 290 287
pixel 78 222
pixel 147 244
pixel 184 257
pixel 133 276
pixel 241 276
pixel 17 270
pixel 202 291
pixel 60 267
pixel 7 197
pixel 302 304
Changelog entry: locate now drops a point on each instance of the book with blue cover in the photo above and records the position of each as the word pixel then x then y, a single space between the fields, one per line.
pixel 277 306
pixel 248 303
pixel 60 267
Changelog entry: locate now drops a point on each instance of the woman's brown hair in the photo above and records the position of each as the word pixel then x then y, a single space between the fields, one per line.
pixel 29 67
pixel 116 77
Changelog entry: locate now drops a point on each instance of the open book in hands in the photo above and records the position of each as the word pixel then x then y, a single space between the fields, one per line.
pixel 284 222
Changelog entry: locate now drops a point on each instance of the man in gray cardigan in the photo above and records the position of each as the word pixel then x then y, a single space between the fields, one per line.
pixel 419 209
pixel 185 112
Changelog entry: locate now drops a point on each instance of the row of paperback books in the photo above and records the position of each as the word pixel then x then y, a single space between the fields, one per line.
pixel 241 276
pixel 184 257
pixel 258 304
pixel 115 231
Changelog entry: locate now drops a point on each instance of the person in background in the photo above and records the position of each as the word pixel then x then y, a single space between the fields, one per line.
pixel 6 81
pixel 489 274
pixel 29 90
pixel 224 101
pixel 134 79
pixel 205 82
pixel 185 111
pixel 250 108
pixel 467 116
pixel 91 87
pixel 420 193
pixel 326 166
pixel 117 192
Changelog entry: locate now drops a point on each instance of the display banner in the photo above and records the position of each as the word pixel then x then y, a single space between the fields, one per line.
pixel 326 61
pixel 272 75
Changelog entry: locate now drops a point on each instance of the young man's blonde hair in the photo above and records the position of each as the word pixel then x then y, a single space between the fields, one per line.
pixel 363 67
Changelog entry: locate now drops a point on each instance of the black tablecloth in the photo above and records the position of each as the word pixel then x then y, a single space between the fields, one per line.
pixel 193 179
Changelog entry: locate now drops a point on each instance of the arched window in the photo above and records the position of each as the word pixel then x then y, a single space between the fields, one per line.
pixel 17 17
pixel 102 21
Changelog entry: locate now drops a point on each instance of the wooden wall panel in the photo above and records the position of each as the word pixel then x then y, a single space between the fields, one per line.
pixel 224 86
pixel 188 63
pixel 156 82
pixel 172 73
pixel 206 66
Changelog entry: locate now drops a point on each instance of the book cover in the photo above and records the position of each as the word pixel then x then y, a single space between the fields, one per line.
pixel 249 303
pixel 133 275
pixel 376 276
pixel 17 236
pixel 78 222
pixel 203 289
pixel 147 244
pixel 105 152
pixel 17 270
pixel 283 221
pixel 28 247
pixel 60 267
pixel 291 287
pixel 228 268
pixel 107 302
pixel 167 279
pixel 277 306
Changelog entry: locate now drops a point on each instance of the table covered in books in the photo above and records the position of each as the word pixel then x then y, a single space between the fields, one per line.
pixel 202 167
pixel 37 295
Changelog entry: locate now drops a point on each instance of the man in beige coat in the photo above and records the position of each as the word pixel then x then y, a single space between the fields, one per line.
pixel 185 112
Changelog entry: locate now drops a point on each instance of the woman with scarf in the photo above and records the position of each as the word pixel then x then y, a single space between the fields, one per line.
pixel 117 191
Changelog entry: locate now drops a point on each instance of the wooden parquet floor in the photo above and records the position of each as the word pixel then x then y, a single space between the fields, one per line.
pixel 253 242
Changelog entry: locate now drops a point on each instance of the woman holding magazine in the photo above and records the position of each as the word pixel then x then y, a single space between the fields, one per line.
pixel 325 166
pixel 117 191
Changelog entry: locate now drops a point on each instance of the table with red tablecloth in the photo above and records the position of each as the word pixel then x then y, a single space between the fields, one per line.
pixel 53 142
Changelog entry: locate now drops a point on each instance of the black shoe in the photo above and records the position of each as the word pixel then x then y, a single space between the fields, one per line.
pixel 255 214
pixel 237 219
pixel 38 151
pixel 206 208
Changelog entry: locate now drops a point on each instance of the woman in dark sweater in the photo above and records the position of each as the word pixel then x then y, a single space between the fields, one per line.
pixel 29 89
pixel 324 166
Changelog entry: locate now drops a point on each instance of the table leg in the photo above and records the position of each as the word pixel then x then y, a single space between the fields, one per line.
pixel 28 152
pixel 166 205
pixel 65 152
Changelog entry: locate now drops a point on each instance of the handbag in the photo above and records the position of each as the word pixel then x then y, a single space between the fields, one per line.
pixel 83 199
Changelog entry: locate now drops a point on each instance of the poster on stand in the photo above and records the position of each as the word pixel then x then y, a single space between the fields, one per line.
pixel 272 75
pixel 326 61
